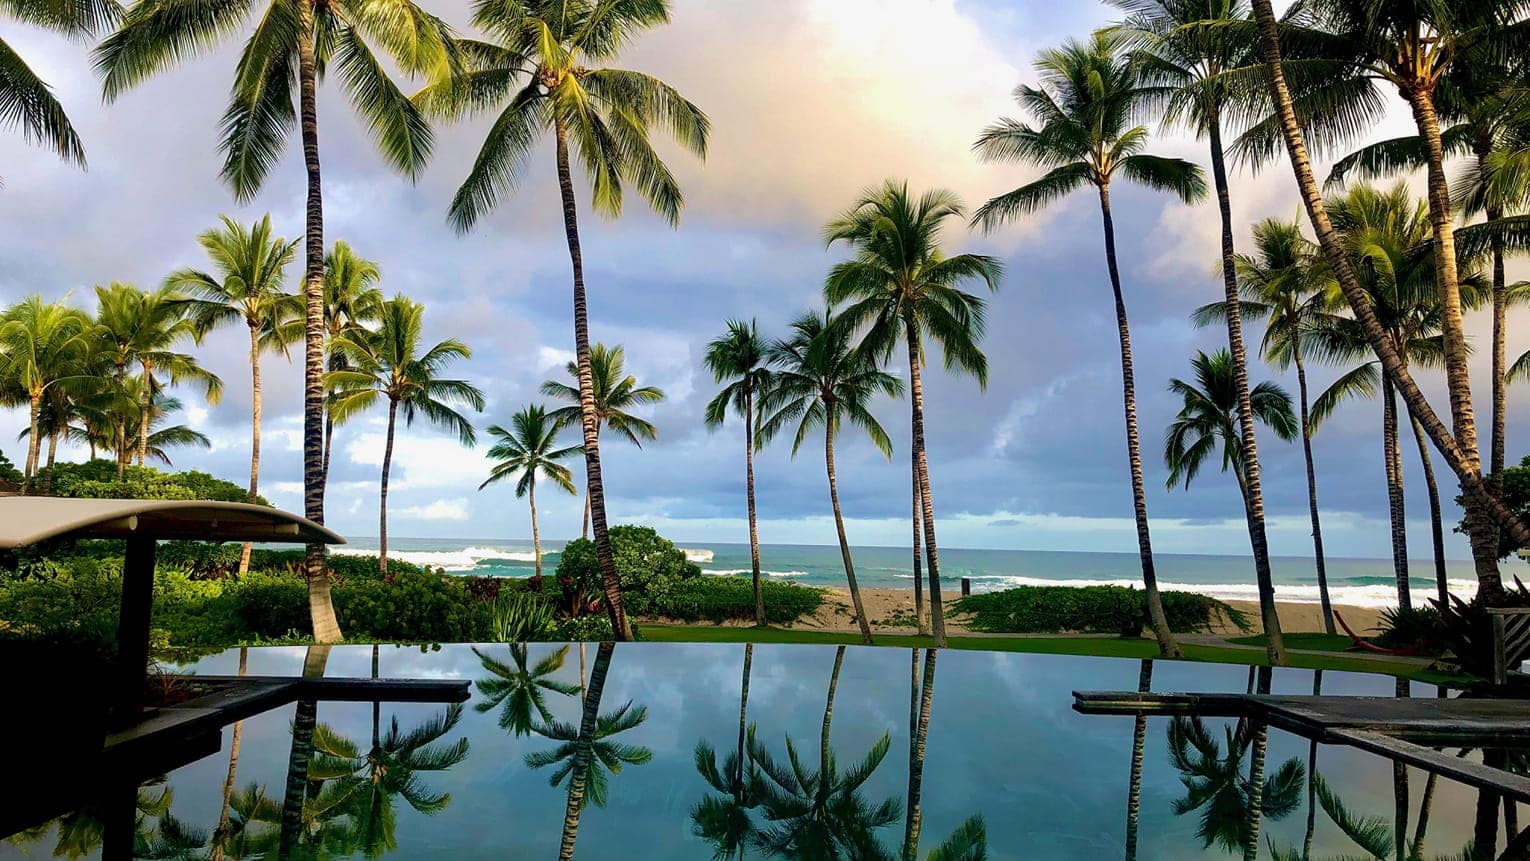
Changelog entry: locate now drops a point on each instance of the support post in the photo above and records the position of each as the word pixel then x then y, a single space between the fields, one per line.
pixel 966 586
pixel 1500 655
pixel 133 624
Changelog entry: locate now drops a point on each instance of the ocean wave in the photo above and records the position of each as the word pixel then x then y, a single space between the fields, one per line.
pixel 1377 596
pixel 465 559
pixel 734 572
pixel 696 555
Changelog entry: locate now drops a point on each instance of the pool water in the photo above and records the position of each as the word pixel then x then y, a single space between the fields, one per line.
pixel 1007 770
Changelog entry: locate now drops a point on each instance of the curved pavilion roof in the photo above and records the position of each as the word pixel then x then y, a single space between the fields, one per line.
pixel 27 520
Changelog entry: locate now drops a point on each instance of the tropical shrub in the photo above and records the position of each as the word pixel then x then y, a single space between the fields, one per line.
pixel 415 607
pixel 97 479
pixel 589 628
pixel 343 567
pixel 644 561
pixel 721 599
pixel 1410 628
pixel 1087 610
pixel 521 617
pixel 8 470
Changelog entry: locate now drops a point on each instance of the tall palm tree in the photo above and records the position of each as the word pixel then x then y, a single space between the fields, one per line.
pixel 530 448
pixel 1088 95
pixel 1193 50
pixel 42 345
pixel 246 284
pixel 29 102
pixel 900 284
pixel 821 380
pixel 100 428
pixel 1209 421
pixel 587 751
pixel 921 699
pixel 392 364
pixel 142 328
pixel 520 692
pixel 614 392
pixel 1134 780
pixel 1384 234
pixel 293 43
pixel 723 819
pixel 351 300
pixel 740 358
pixel 537 70
pixel 1459 453
pixel 1282 283
pixel 222 835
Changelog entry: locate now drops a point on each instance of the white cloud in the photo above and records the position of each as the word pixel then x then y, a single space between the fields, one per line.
pixel 441 509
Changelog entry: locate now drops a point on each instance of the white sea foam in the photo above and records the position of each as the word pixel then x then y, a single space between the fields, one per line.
pixel 465 559
pixel 696 555
pixel 1376 595
pixel 733 572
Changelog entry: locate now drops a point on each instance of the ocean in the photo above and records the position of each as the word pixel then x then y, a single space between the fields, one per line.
pixel 1356 582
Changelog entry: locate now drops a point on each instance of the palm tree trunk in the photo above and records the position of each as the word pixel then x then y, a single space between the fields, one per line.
pixel 839 527
pixel 1254 493
pixel 828 710
pixel 926 494
pixel 1425 807
pixel 594 487
pixel 220 833
pixel 1260 747
pixel 1436 524
pixel 1482 148
pixel 1396 513
pixel 919 617
pixel 920 734
pixel 754 535
pixel 144 394
pixel 1485 822
pixel 743 711
pixel 1160 622
pixel 34 413
pixel 1312 500
pixel 1139 746
pixel 244 552
pixel 584 531
pixel 47 485
pixel 321 607
pixel 382 508
pixel 584 749
pixel 304 720
pixel 536 535
pixel 121 425
pixel 1462 462
pixel 329 424
pixel 1400 793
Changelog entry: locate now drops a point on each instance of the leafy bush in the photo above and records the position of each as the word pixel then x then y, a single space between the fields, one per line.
pixel 1087 609
pixel 521 617
pixel 589 628
pixel 643 560
pixel 721 599
pixel 1406 629
pixel 97 479
pixel 415 607
pixel 78 602
pixel 269 605
pixel 1466 629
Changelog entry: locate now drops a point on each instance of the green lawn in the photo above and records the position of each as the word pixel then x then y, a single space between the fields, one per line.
pixel 1317 642
pixel 1105 647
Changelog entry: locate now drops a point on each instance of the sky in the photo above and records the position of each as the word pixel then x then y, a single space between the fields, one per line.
pixel 811 101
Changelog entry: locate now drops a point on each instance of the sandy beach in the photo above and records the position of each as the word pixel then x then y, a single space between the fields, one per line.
pixel 892 611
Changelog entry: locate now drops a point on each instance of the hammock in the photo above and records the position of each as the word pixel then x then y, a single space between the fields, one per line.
pixel 1359 644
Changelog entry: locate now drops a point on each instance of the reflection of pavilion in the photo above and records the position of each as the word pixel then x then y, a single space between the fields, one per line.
pixel 1401 729
pixel 110 755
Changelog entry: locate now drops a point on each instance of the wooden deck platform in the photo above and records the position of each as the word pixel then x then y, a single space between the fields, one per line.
pixel 1399 728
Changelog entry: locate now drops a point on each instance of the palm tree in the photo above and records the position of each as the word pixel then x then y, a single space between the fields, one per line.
pixel 1385 234
pixel 223 835
pixel 42 345
pixel 740 359
pixel 819 813
pixel 614 393
pixel 821 380
pixel 537 72
pixel 1461 456
pixel 723 819
pixel 1282 283
pixel 389 364
pixel 1194 50
pixel 583 750
pixel 1134 781
pixel 29 102
pixel 141 328
pixel 351 300
pixel 899 283
pixel 1089 92
pixel 525 451
pixel 245 285
pixel 1209 421
pixel 293 43
pixel 520 692
pixel 100 428
pixel 921 699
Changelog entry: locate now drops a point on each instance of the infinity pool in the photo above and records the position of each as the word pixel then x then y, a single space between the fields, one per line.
pixel 1006 771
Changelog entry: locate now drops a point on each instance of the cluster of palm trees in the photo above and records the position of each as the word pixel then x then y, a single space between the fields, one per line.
pixel 103 380
pixel 536 67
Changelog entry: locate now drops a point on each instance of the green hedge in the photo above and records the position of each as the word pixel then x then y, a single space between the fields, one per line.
pixel 722 599
pixel 97 479
pixel 1086 610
